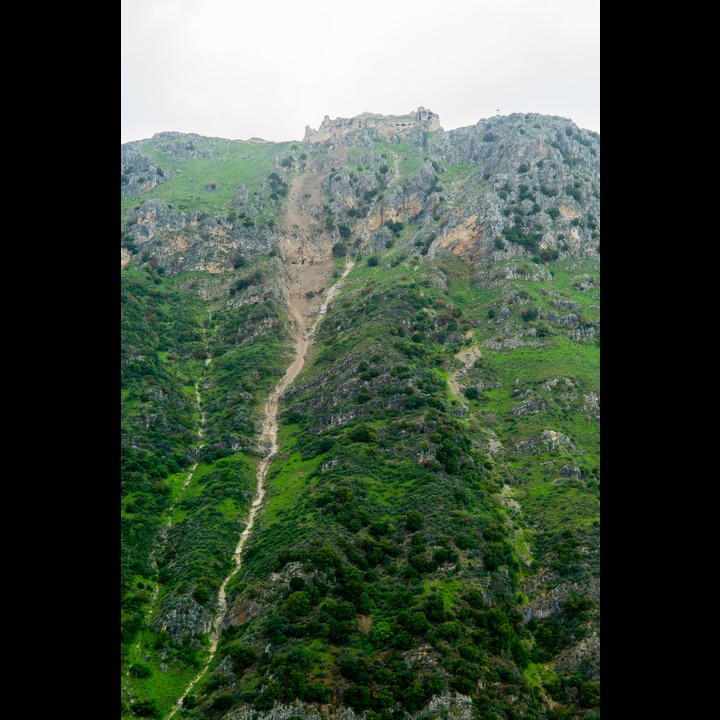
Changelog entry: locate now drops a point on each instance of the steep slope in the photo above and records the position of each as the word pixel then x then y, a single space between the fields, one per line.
pixel 428 537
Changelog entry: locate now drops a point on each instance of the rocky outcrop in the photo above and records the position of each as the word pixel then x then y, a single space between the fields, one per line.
pixel 182 616
pixel 533 179
pixel 381 126
pixel 452 706
pixel 139 173
pixel 524 184
pixel 182 242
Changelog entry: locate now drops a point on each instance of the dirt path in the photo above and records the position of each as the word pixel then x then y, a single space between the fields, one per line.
pixel 307 313
pixel 467 358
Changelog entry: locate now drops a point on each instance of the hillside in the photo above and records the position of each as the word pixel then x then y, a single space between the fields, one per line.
pixel 360 422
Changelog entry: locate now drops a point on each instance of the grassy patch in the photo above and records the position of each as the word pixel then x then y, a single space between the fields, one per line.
pixel 210 183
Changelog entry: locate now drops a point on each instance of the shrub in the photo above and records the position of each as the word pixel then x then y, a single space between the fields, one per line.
pixel 521 653
pixel 141 670
pixel 222 702
pixel 339 631
pixel 146 708
pixel 589 694
pixel 417 624
pixel 413 521
pixel 395 226
pixel 450 630
pixel 474 599
pixel 573 192
pixel 362 434
pixel 434 609
pixel 276 628
pixel 242 656
pixel 298 604
pixel 357 697
pixel 380 634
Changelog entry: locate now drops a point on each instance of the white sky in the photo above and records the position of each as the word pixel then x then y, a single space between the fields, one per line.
pixel 237 69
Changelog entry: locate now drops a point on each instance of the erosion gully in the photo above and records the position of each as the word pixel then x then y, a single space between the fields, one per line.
pixel 304 330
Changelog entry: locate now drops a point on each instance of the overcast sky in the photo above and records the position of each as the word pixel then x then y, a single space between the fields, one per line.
pixel 238 69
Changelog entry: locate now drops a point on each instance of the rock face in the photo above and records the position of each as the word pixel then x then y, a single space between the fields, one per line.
pixel 138 173
pixel 536 178
pixel 182 242
pixel 523 184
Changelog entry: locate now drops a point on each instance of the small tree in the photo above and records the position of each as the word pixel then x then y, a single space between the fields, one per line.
pixel 141 670
pixel 589 694
pixel 380 634
pixel 298 604
pixel 413 521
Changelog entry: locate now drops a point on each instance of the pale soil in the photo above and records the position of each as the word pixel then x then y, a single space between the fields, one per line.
pixel 467 358
pixel 304 191
pixel 304 240
pixel 308 273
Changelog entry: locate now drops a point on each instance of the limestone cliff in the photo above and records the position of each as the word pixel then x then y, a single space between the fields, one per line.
pixel 526 184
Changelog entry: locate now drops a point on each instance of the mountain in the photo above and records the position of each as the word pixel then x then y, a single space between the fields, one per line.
pixel 360 422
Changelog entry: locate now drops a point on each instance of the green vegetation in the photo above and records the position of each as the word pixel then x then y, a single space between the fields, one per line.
pixel 361 528
pixel 430 520
pixel 210 183
pixel 199 488
pixel 410 159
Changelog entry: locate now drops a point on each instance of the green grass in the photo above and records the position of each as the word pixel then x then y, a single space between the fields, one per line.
pixel 286 485
pixel 538 674
pixel 186 190
pixel 456 171
pixel 448 589
pixel 163 686
pixel 410 161
pixel 557 357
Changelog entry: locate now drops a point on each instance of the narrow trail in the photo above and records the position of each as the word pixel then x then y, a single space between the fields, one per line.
pixel 163 535
pixel 467 357
pixel 304 331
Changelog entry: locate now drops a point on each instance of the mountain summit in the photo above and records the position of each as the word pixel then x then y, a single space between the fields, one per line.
pixel 360 409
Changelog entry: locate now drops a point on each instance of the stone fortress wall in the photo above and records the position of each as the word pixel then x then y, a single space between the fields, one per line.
pixel 385 125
